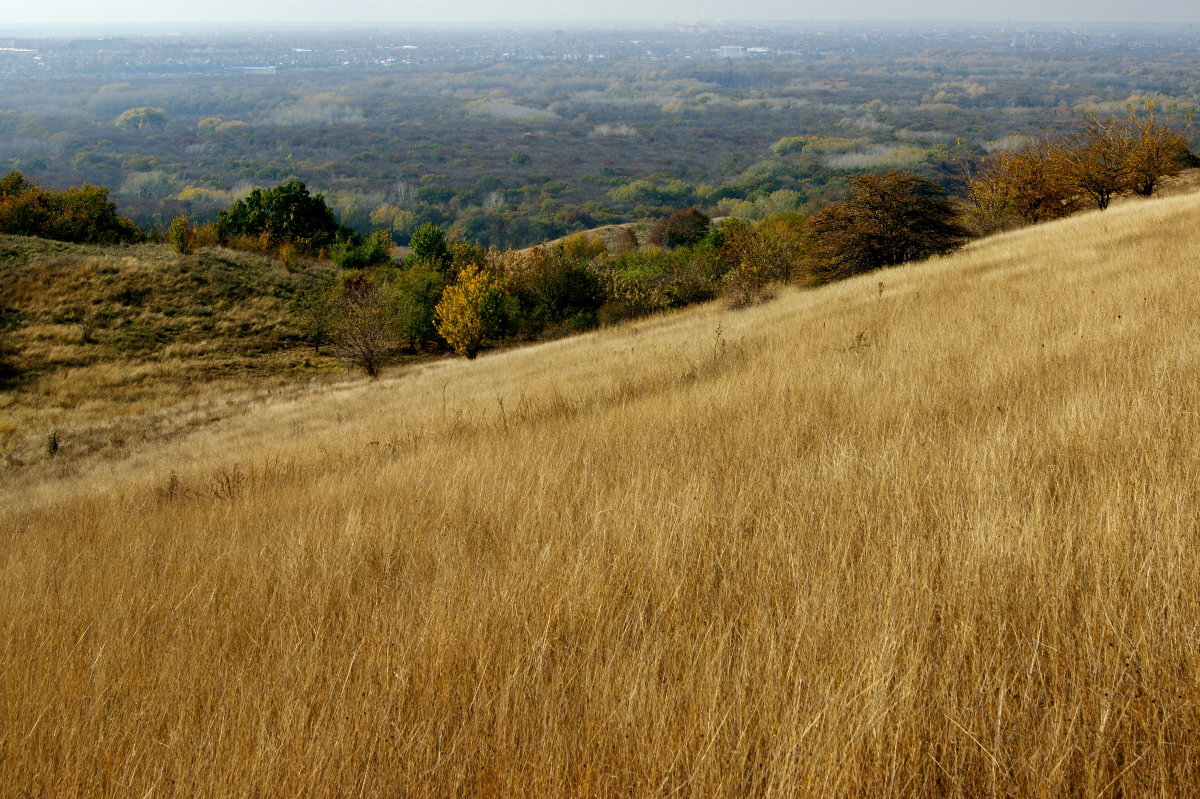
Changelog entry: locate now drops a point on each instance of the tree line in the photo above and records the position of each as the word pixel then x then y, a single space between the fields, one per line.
pixel 80 214
pixel 1100 158
pixel 463 297
pixel 449 294
pixel 456 296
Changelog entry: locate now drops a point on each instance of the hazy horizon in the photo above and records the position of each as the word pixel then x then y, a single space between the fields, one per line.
pixel 182 28
pixel 140 14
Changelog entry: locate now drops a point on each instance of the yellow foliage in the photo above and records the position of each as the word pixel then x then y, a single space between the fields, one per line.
pixel 581 245
pixel 143 117
pixel 383 214
pixel 469 311
pixel 194 194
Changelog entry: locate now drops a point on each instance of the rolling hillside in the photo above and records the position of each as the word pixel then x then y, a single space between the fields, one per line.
pixel 928 532
pixel 119 346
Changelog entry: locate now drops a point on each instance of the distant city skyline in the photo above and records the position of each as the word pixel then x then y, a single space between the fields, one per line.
pixel 137 13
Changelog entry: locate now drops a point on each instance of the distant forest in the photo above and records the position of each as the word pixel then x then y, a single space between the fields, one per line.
pixel 514 145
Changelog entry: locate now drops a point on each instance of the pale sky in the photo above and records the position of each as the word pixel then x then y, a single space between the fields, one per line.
pixel 284 12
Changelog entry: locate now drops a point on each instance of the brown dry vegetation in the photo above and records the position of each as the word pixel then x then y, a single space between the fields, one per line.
pixel 609 234
pixel 927 532
pixel 123 345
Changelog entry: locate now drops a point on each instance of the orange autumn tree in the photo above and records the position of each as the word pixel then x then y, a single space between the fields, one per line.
pixel 1101 158
pixel 1159 151
pixel 1023 186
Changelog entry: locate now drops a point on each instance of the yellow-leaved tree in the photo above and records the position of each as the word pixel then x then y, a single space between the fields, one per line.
pixel 470 311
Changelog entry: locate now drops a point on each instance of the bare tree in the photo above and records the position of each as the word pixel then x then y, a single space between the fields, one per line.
pixel 364 326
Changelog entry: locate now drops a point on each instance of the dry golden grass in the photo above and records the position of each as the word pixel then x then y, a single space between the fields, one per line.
pixel 124 345
pixel 609 234
pixel 931 532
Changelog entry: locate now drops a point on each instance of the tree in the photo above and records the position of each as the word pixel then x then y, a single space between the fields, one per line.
pixel 1098 158
pixel 86 215
pixel 14 184
pixel 563 285
pixel 180 235
pixel 470 311
pixel 416 292
pixel 1113 155
pixel 81 214
pixel 363 324
pixel 1158 151
pixel 316 313
pixel 428 243
pixel 774 247
pixel 683 228
pixel 1053 177
pixel 1027 185
pixel 375 250
pixel 144 117
pixel 464 254
pixel 155 184
pixel 286 214
pixel 581 247
pixel 758 255
pixel 889 219
pixel 627 240
pixel 25 210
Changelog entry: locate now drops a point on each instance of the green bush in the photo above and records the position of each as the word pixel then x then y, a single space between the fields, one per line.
pixel 286 214
pixel 374 251
pixel 428 243
pixel 415 292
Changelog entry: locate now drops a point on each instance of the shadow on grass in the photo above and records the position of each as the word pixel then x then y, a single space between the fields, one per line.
pixel 10 375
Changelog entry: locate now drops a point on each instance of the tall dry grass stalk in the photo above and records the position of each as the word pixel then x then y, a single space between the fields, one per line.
pixel 931 532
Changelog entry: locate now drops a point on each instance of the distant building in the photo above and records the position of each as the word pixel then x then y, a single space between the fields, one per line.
pixel 731 51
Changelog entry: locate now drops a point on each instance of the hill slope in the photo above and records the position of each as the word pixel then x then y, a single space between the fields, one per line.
pixel 930 532
pixel 118 345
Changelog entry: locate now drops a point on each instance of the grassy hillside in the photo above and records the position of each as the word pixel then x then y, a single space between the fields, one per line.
pixel 929 532
pixel 610 235
pixel 112 343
